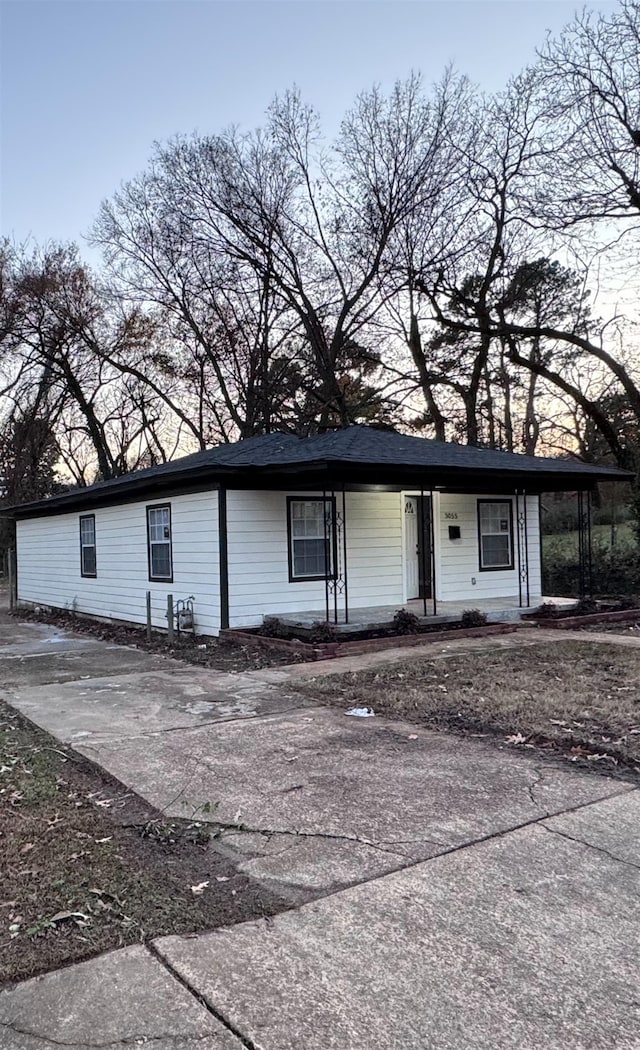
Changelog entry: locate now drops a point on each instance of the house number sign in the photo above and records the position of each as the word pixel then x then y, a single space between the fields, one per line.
pixel 450 515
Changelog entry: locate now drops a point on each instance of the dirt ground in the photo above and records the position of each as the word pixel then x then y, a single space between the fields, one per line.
pixel 577 698
pixel 88 866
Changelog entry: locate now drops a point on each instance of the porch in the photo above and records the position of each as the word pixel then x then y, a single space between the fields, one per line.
pixel 497 610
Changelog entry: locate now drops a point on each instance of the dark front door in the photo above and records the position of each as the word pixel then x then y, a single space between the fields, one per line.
pixel 425 573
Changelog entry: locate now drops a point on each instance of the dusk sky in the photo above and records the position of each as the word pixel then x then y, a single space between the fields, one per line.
pixel 87 86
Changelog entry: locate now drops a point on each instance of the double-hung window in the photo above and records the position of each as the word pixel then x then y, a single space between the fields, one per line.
pixel 311 532
pixel 88 564
pixel 495 534
pixel 159 543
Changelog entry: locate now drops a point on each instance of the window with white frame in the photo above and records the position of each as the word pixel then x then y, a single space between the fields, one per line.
pixel 88 564
pixel 159 543
pixel 311 531
pixel 495 534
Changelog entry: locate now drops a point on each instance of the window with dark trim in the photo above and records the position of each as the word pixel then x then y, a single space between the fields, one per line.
pixel 311 537
pixel 495 534
pixel 159 543
pixel 88 564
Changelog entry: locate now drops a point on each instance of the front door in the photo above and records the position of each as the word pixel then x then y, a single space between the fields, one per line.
pixel 417 546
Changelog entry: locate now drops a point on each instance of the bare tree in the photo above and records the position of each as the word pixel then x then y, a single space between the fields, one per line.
pixel 305 232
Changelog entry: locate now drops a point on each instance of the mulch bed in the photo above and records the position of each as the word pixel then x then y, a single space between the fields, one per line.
pixel 88 866
pixel 357 642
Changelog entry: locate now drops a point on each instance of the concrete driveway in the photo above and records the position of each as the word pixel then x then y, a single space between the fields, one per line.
pixel 446 893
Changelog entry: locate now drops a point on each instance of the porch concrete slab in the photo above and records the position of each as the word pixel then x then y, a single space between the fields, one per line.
pixel 375 616
pixel 325 799
pixel 528 940
pixel 611 826
pixel 125 998
pixel 128 705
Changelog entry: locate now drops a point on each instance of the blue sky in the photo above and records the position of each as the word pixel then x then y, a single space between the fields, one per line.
pixel 88 85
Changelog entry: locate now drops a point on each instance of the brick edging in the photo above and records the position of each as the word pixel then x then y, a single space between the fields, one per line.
pixel 329 650
pixel 569 623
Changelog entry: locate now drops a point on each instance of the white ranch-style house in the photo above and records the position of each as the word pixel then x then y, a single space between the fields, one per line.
pixel 346 526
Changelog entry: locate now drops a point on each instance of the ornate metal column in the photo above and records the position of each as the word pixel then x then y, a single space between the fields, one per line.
pixel 422 553
pixel 432 549
pixel 522 534
pixel 335 541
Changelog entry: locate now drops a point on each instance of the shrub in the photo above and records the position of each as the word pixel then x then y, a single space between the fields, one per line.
pixel 585 607
pixel 323 631
pixel 405 622
pixel 473 618
pixel 547 611
pixel 273 627
pixel 616 571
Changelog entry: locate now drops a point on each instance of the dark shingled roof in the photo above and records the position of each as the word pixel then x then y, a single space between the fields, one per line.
pixel 357 454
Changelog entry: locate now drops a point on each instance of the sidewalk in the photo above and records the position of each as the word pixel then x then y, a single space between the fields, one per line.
pixel 444 892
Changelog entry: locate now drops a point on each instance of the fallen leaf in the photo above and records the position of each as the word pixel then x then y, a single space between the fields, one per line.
pixel 62 916
pixel 199 889
pixel 222 878
pixel 27 846
pixel 516 738
pixel 412 736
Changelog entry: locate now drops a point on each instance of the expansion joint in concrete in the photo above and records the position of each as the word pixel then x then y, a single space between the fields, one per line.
pixel 244 1040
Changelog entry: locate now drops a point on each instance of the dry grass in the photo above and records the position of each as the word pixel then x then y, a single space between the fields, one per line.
pixel 573 696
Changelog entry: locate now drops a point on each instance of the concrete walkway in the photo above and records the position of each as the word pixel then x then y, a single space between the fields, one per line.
pixel 446 893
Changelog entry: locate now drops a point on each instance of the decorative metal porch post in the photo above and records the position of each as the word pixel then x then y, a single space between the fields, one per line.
pixel 344 556
pixel 432 550
pixel 335 542
pixel 421 552
pixel 523 549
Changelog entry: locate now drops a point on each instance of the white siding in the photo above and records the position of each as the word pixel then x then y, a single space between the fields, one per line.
pixel 258 555
pixel 458 574
pixel 49 558
pixel 49 562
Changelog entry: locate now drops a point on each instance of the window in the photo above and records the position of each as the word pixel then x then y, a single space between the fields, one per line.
pixel 495 534
pixel 311 538
pixel 159 543
pixel 88 545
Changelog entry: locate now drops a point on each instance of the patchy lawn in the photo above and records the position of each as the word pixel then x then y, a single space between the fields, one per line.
pixel 219 654
pixel 575 697
pixel 87 866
